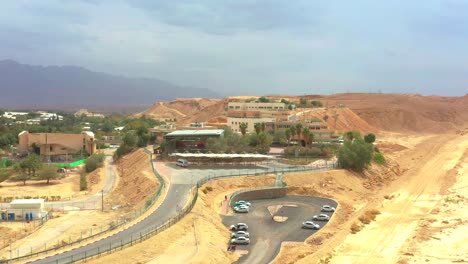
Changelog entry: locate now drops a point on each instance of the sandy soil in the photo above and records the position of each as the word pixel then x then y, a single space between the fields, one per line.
pixel 416 220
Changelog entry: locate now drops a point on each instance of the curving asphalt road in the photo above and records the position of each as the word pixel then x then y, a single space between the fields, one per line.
pixel 182 180
pixel 267 235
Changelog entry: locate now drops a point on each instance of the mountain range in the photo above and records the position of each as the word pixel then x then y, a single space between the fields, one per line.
pixel 70 87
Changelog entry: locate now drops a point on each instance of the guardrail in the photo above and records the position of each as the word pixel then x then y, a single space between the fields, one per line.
pixel 112 226
pixel 155 229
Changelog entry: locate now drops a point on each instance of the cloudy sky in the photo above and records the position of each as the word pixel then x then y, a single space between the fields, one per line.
pixel 251 47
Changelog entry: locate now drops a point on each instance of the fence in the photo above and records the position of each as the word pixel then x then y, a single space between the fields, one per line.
pixel 24 253
pixel 155 229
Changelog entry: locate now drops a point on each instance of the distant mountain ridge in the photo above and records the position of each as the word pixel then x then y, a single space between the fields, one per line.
pixel 23 85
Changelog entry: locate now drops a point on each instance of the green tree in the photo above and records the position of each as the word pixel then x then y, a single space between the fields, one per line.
pixel 130 139
pixel 305 135
pixel 243 128
pixel 280 137
pixel 263 126
pixel 325 118
pixel 293 131
pixel 31 164
pixel 258 128
pixel 350 135
pixel 287 133
pixel 48 173
pixel 317 103
pixel 369 138
pixel 311 137
pixel 303 101
pixel 355 154
pixel 83 181
pixel 94 161
pixel 299 127
pixel 5 174
pixel 263 99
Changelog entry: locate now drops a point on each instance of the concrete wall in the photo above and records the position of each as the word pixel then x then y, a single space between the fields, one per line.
pixel 261 193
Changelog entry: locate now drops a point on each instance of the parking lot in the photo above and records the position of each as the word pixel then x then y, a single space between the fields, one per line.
pixel 266 234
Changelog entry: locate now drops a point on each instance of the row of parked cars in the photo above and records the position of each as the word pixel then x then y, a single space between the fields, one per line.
pixel 239 234
pixel 319 217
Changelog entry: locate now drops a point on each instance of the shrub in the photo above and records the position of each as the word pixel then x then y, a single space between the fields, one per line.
pixel 209 188
pixel 379 158
pixel 355 154
pixel 94 161
pixel 355 227
pixel 83 181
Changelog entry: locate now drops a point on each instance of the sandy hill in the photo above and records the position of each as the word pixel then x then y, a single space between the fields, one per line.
pixel 407 112
pixel 363 112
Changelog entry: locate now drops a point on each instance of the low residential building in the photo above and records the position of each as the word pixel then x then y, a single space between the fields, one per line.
pixel 56 146
pixel 25 209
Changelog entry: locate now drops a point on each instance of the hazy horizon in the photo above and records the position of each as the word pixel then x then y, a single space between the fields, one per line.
pixel 251 48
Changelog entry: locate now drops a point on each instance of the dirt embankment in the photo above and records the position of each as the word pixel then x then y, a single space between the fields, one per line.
pixel 136 181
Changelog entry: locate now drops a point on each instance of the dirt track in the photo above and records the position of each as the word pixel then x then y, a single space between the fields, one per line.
pixel 418 193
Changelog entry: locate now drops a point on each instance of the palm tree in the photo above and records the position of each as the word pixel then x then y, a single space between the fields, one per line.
pixel 299 129
pixel 305 135
pixel 262 126
pixel 287 132
pixel 258 128
pixel 311 137
pixel 243 128
pixel 293 131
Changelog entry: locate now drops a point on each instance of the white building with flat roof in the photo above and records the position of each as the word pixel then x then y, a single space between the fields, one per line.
pixel 25 209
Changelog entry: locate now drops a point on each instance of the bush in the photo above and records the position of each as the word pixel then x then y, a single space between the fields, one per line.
pixel 355 154
pixel 94 161
pixel 369 216
pixel 379 158
pixel 355 227
pixel 83 181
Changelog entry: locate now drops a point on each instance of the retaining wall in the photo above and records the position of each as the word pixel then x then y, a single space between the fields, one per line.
pixel 260 193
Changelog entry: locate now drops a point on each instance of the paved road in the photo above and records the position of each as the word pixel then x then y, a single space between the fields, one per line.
pixel 266 235
pixel 177 194
pixel 182 179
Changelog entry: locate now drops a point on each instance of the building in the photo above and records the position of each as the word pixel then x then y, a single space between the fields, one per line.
pixel 25 209
pixel 87 113
pixel 234 122
pixel 160 131
pixel 257 106
pixel 57 146
pixel 190 139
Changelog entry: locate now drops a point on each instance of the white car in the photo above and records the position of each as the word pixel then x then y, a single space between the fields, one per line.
pixel 310 225
pixel 240 240
pixel 328 208
pixel 182 162
pixel 241 209
pixel 242 203
pixel 240 234
pixel 321 217
pixel 239 226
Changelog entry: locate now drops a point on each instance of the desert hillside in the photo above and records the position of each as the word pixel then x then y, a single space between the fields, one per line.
pixel 363 112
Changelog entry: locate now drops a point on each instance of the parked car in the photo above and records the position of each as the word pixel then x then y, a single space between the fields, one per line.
pixel 240 240
pixel 241 209
pixel 182 162
pixel 310 225
pixel 321 217
pixel 242 203
pixel 239 226
pixel 328 208
pixel 240 234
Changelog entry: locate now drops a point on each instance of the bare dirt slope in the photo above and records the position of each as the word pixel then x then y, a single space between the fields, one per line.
pixel 420 218
pixel 185 108
pixel 136 180
pixel 407 112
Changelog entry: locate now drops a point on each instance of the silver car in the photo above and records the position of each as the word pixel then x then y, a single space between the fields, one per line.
pixel 241 209
pixel 240 234
pixel 328 208
pixel 239 226
pixel 310 225
pixel 240 240
pixel 321 217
